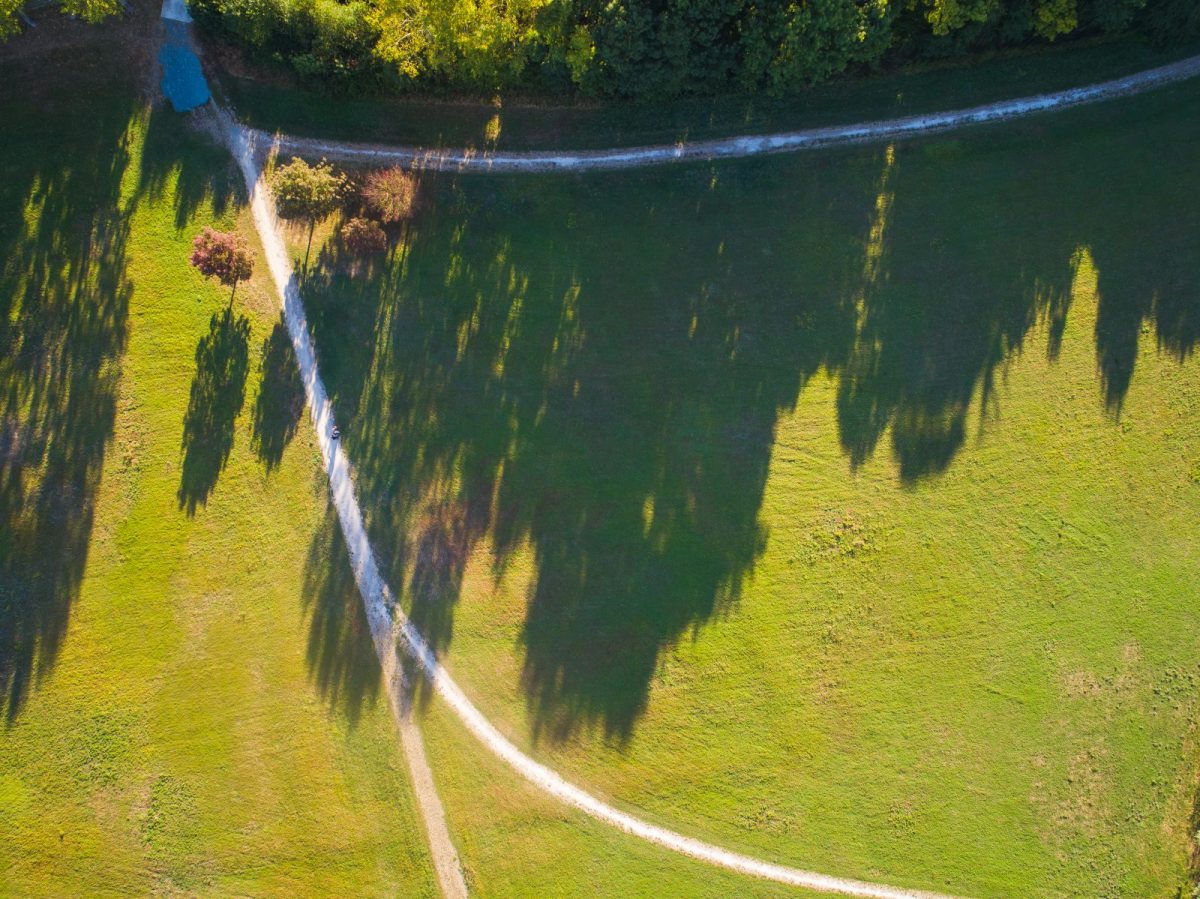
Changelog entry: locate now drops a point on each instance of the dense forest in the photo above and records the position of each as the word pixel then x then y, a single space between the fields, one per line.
pixel 654 48
pixel 643 48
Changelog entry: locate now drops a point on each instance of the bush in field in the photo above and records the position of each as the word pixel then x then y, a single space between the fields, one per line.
pixel 390 193
pixel 307 193
pixel 364 236
pixel 224 256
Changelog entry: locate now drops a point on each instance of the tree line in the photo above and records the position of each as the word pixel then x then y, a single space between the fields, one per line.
pixel 645 48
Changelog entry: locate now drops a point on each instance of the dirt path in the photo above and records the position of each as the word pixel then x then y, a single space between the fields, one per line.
pixel 737 147
pixel 177 29
pixel 391 631
pixel 445 857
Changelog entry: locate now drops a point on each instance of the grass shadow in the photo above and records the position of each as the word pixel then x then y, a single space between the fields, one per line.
pixel 1156 288
pixel 64 302
pixel 339 652
pixel 578 381
pixel 519 398
pixel 207 181
pixel 939 315
pixel 280 401
pixel 966 256
pixel 217 394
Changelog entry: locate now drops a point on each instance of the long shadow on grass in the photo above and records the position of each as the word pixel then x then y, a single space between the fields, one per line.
pixel 218 391
pixel 64 296
pixel 957 272
pixel 280 401
pixel 207 180
pixel 952 284
pixel 341 657
pixel 599 413
pixel 969 251
pixel 66 201
pixel 570 386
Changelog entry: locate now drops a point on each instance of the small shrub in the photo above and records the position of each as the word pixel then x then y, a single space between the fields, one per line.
pixel 364 236
pixel 390 193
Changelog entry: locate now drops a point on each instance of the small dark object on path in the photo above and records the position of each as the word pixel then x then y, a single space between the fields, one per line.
pixel 336 432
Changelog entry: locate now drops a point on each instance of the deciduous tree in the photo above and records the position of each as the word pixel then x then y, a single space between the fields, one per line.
pixel 307 192
pixel 91 11
pixel 224 256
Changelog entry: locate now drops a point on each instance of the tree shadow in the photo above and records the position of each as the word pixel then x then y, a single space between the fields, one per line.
pixel 280 401
pixel 350 328
pixel 957 274
pixel 218 391
pixel 64 298
pixel 526 395
pixel 969 258
pixel 71 144
pixel 340 653
pixel 582 390
pixel 209 180
pixel 1157 287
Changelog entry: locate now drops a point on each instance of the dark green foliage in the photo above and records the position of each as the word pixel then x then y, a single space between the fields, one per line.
pixel 1167 21
pixel 306 192
pixel 786 47
pixel 91 11
pixel 322 40
pixel 656 48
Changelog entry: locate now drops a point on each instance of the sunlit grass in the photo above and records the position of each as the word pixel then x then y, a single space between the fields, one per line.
pixel 184 712
pixel 837 508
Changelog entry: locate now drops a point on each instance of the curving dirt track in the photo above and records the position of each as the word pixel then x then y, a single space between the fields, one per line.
pixel 390 629
pixel 392 632
pixel 736 147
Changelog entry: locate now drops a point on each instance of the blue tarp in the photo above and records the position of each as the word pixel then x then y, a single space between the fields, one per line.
pixel 182 80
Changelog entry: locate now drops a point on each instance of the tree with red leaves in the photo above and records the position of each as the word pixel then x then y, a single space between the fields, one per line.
pixel 224 256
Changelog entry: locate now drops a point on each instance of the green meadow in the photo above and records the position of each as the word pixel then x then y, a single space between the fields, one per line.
pixel 838 508
pixel 190 700
pixel 514 841
pixel 184 710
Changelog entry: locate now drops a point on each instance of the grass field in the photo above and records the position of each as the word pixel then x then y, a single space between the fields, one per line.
pixel 837 507
pixel 274 103
pixel 188 705
pixel 514 841
pixel 190 701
